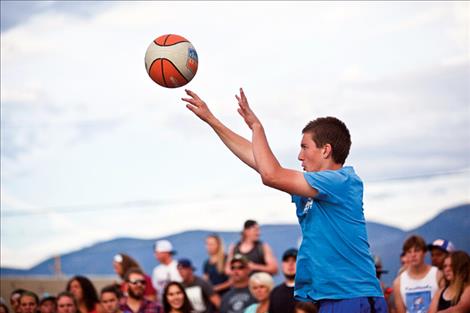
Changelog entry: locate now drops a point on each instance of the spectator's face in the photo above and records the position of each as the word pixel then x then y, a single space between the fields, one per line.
pixel 289 267
pixel 28 304
pixel 136 286
pixel 239 272
pixel 66 305
pixel 175 297
pixel 47 307
pixel 259 291
pixel 76 290
pixel 2 309
pixel 211 245
pixel 252 233
pixel 15 302
pixel 415 256
pixel 447 269
pixel 186 273
pixel 118 268
pixel 110 302
pixel 437 257
pixel 163 257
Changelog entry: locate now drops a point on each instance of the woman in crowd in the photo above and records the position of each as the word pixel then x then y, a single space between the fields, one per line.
pixel 121 264
pixel 85 294
pixel 29 302
pixel 175 299
pixel 455 296
pixel 260 285
pixel 214 266
pixel 257 252
pixel 66 303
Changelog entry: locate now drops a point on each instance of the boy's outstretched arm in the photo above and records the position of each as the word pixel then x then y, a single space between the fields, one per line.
pixel 272 173
pixel 240 146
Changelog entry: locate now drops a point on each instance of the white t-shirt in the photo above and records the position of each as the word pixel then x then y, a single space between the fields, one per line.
pixel 163 274
pixel 417 293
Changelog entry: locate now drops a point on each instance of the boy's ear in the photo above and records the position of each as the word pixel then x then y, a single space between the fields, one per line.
pixel 327 151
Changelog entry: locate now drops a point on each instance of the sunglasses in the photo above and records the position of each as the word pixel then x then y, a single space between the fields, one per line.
pixel 137 281
pixel 237 267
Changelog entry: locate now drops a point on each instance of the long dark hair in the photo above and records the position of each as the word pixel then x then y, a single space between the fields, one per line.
pixel 90 296
pixel 186 308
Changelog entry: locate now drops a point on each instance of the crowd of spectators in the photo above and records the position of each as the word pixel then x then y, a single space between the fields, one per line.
pixel 241 281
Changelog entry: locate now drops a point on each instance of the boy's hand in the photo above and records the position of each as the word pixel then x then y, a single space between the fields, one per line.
pixel 197 106
pixel 245 110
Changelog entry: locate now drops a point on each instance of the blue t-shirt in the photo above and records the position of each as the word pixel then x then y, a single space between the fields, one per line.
pixel 334 261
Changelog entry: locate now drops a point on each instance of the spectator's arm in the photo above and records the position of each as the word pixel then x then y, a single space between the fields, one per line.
pixel 435 301
pixel 399 304
pixel 271 263
pixel 228 271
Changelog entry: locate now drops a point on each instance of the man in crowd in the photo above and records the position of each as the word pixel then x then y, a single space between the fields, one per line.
pixel 281 299
pixel 47 304
pixel 201 293
pixel 29 302
pixel 415 287
pixel 440 249
pixel 238 298
pixel 167 270
pixel 109 298
pixel 135 302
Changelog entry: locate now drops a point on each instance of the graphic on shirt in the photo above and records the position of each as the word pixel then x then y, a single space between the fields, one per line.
pixel 418 302
pixel 196 298
pixel 308 205
pixel 238 302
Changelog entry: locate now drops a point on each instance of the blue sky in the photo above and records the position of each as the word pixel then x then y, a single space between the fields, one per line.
pixel 93 149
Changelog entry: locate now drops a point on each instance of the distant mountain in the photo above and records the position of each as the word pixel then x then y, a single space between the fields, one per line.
pixel 386 241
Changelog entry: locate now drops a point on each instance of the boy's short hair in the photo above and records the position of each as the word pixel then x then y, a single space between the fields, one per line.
pixel 416 242
pixel 114 288
pixel 330 130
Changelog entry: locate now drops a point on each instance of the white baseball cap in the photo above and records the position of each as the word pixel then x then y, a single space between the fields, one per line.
pixel 164 246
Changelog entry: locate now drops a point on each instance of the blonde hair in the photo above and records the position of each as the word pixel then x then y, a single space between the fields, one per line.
pixel 261 278
pixel 220 254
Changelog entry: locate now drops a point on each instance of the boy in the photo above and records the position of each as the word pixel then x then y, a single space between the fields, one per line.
pixel 334 265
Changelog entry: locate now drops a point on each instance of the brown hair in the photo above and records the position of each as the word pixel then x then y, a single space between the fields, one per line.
pixel 126 263
pixel 133 270
pixel 460 263
pixel 330 130
pixel 220 264
pixel 307 307
pixel 414 241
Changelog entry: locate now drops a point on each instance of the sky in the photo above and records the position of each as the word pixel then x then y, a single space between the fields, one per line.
pixel 92 149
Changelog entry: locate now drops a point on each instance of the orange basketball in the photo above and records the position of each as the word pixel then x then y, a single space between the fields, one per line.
pixel 171 61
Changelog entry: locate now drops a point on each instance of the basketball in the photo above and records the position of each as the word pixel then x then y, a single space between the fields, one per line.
pixel 171 61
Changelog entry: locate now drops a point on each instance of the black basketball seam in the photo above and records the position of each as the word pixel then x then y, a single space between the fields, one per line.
pixel 164 42
pixel 187 81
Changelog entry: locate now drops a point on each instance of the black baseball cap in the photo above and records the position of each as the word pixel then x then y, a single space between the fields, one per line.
pixel 292 252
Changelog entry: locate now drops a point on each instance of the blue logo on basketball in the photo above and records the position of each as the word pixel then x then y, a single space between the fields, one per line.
pixel 192 54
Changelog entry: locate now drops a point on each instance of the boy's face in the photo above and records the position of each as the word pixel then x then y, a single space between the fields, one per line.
pixel 415 256
pixel 110 302
pixel 311 156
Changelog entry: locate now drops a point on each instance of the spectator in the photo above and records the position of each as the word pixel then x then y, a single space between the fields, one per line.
pixel 455 297
pixel 238 298
pixel 200 293
pixel 15 300
pixel 66 303
pixel 175 299
pixel 167 270
pixel 135 302
pixel 416 286
pixel 85 294
pixel 214 266
pixel 260 285
pixel 387 291
pixel 281 299
pixel 259 254
pixel 305 307
pixel 440 249
pixel 109 297
pixel 47 304
pixel 29 302
pixel 122 263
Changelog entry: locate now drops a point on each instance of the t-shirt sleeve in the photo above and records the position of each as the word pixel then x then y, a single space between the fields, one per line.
pixel 327 183
pixel 207 288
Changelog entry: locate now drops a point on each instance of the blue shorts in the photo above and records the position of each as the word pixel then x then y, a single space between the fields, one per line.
pixel 355 305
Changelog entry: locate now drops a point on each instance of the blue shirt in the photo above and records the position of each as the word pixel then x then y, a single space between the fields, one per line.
pixel 334 261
